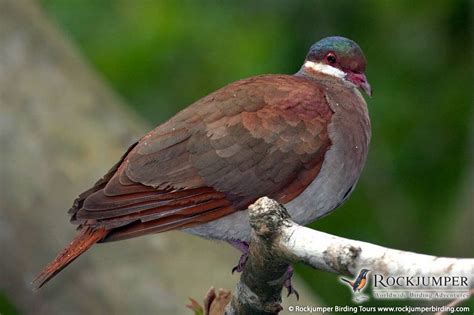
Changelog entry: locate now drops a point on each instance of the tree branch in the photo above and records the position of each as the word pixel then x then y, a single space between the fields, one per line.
pixel 276 241
pixel 259 289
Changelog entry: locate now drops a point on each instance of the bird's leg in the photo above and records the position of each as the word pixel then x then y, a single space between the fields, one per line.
pixel 244 248
pixel 288 285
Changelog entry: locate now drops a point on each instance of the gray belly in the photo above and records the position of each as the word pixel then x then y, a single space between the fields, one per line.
pixel 232 227
pixel 333 185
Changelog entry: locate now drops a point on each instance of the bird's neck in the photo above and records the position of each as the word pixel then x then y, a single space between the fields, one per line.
pixel 314 70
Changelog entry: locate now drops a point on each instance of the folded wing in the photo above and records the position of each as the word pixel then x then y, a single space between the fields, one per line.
pixel 262 136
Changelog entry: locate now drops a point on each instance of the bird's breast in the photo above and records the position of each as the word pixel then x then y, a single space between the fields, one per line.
pixel 349 132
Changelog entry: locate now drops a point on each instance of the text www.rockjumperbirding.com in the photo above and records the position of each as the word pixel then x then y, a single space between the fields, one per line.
pixel 311 309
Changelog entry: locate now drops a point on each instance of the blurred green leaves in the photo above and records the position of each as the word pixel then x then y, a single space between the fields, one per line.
pixel 6 307
pixel 164 55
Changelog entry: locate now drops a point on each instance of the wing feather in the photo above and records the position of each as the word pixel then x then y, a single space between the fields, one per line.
pixel 252 138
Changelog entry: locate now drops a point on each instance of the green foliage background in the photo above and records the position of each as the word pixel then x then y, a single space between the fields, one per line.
pixel 163 55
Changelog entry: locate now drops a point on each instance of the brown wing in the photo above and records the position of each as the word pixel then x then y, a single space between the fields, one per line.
pixel 261 136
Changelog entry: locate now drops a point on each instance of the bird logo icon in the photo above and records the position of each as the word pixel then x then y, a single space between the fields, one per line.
pixel 359 283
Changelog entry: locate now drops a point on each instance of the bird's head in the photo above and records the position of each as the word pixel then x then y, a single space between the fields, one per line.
pixel 364 272
pixel 339 57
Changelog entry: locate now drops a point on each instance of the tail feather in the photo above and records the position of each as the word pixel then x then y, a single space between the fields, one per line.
pixel 83 241
pixel 348 281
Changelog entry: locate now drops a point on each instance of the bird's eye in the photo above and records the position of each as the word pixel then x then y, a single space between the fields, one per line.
pixel 331 58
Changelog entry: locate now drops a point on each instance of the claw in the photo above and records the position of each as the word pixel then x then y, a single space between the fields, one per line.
pixel 292 290
pixel 241 265
pixel 244 248
pixel 288 285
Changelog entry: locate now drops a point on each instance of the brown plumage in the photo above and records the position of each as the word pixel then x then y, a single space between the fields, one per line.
pixel 87 237
pixel 207 162
pixel 262 136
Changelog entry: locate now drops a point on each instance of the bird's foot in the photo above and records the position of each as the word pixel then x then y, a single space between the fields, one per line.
pixel 244 248
pixel 291 289
pixel 241 265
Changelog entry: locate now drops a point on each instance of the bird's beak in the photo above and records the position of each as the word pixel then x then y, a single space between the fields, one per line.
pixel 360 81
pixel 366 88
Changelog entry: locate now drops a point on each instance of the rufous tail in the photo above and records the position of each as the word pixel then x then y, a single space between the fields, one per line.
pixel 83 241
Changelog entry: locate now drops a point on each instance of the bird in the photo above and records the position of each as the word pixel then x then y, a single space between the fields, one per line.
pixel 301 139
pixel 359 282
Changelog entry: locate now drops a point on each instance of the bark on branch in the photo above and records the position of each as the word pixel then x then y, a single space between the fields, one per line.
pixel 277 241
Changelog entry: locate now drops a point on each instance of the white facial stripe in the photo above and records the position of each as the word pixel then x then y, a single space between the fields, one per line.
pixel 323 68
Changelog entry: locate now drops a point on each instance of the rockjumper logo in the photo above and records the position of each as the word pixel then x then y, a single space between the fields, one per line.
pixel 426 287
pixel 357 285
